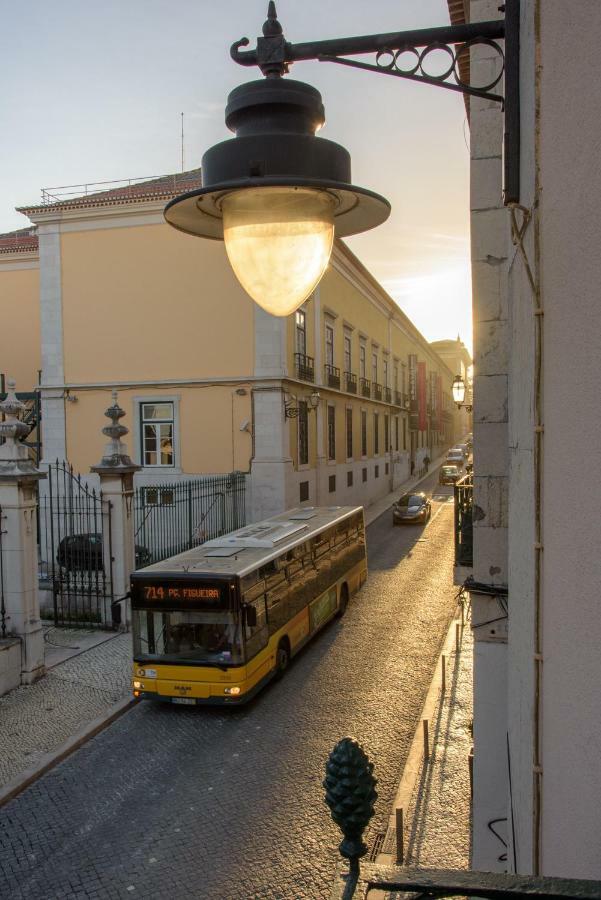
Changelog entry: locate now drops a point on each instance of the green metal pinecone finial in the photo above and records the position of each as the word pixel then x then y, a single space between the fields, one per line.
pixel 350 794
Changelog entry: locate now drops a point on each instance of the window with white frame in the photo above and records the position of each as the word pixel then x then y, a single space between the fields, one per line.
pixel 374 366
pixel 301 331
pixel 361 360
pixel 347 352
pixel 329 344
pixel 303 433
pixel 363 433
pixel 349 433
pixel 385 371
pixel 157 427
pixel 331 432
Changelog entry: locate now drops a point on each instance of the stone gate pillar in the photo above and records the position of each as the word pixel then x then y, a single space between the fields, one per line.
pixel 20 604
pixel 116 471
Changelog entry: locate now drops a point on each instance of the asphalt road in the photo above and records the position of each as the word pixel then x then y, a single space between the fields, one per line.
pixel 201 803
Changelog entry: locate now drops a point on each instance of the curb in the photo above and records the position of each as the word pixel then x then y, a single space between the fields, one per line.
pixel 22 781
pixel 415 757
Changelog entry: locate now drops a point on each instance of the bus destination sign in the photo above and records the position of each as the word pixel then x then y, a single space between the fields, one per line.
pixel 180 593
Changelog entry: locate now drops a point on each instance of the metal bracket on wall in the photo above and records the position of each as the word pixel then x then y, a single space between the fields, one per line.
pixel 407 54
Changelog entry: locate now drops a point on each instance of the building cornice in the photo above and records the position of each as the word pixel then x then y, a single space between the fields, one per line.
pixel 350 267
pixel 88 218
pixel 13 261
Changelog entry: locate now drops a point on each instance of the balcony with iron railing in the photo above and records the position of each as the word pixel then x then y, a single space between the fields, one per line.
pixel 398 398
pixel 377 390
pixel 388 395
pixel 365 387
pixel 305 367
pixel 332 376
pixel 350 383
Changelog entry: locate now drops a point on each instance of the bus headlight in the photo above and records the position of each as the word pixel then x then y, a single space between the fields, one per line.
pixel 231 690
pixel 138 685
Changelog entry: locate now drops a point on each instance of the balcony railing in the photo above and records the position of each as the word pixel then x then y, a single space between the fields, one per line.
pixel 377 390
pixel 464 529
pixel 365 387
pixel 350 382
pixel 305 367
pixel 332 376
pixel 398 399
pixel 388 395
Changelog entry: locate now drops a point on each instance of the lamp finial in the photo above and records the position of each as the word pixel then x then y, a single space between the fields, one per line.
pixel 271 27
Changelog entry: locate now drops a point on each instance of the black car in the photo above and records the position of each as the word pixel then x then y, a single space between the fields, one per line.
pixel 411 508
pixel 83 553
pixel 449 474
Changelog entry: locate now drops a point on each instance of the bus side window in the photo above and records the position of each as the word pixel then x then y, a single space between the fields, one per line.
pixel 322 559
pixel 256 635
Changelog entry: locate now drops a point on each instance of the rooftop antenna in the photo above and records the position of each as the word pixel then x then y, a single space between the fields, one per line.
pixel 182 142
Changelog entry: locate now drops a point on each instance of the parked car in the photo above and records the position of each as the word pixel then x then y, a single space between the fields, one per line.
pixel 83 553
pixel 455 457
pixel 449 474
pixel 411 508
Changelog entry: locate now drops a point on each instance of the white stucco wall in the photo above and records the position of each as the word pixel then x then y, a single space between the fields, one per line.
pixel 490 243
pixel 571 275
pixel 521 512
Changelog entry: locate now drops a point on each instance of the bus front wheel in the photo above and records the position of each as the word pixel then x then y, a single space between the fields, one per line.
pixel 343 600
pixel 282 658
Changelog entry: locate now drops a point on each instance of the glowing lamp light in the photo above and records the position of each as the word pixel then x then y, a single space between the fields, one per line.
pixel 276 194
pixel 458 390
pixel 278 241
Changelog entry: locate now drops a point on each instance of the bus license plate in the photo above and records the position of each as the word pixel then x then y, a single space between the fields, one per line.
pixel 186 701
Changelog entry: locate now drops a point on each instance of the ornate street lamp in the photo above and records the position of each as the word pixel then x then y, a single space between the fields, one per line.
pixel 291 411
pixel 458 391
pixel 277 194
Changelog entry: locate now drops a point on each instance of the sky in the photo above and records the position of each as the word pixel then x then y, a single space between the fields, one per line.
pixel 94 92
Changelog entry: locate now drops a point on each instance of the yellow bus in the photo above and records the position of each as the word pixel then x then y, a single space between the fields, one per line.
pixel 214 624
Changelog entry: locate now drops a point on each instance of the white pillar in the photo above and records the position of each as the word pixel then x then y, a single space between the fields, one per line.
pixel 116 471
pixel 272 464
pixel 19 598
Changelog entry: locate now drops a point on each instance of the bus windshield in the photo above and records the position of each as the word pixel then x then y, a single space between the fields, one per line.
pixel 201 637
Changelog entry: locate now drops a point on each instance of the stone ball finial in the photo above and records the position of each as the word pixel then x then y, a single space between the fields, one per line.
pixel 14 454
pixel 12 429
pixel 115 453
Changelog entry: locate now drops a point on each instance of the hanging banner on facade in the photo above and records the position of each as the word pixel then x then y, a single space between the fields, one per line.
pixel 413 378
pixel 439 402
pixel 421 396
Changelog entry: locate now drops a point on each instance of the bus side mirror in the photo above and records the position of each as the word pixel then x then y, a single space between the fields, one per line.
pixel 250 616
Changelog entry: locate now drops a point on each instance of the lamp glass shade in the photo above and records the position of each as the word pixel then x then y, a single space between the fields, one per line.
pixel 278 241
pixel 458 389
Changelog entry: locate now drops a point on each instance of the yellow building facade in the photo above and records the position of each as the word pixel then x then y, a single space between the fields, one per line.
pixel 335 404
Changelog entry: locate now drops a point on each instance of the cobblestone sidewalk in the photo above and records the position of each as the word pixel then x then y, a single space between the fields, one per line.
pixel 439 816
pixel 39 718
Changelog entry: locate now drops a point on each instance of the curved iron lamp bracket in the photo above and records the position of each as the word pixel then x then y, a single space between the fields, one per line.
pixel 274 55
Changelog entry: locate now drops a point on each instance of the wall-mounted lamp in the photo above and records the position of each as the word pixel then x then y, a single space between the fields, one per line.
pixel 277 193
pixel 291 411
pixel 458 390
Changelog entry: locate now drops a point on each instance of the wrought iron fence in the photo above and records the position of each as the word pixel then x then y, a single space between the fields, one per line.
pixel 75 548
pixel 464 529
pixel 173 517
